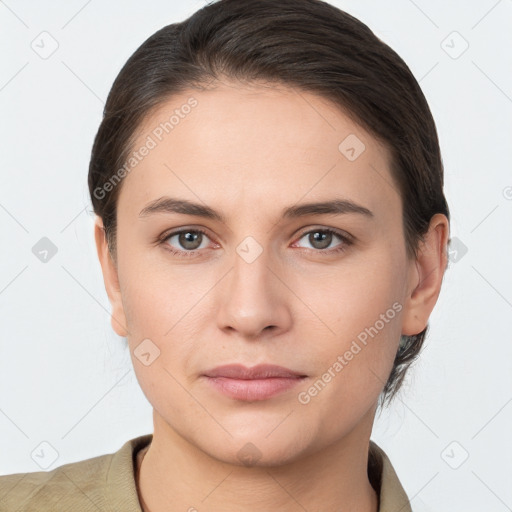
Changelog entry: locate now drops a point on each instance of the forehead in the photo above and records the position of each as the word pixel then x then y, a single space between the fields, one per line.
pixel 255 143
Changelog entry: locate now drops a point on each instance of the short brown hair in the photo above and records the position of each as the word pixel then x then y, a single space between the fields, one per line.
pixel 309 45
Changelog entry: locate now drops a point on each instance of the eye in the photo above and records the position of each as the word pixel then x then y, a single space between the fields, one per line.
pixel 188 241
pixel 321 239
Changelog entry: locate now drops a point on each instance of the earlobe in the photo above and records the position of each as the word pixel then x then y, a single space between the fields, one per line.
pixel 426 277
pixel 110 279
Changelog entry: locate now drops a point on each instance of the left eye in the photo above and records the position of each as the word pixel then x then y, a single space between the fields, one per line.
pixel 322 238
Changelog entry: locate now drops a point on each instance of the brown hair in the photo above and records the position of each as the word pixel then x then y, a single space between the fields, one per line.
pixel 306 44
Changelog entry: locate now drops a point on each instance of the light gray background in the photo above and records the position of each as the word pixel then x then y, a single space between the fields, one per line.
pixel 66 378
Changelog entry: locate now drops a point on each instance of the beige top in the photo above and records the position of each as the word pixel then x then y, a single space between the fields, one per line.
pixel 107 483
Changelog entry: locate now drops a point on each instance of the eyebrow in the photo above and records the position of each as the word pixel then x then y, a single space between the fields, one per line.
pixel 167 204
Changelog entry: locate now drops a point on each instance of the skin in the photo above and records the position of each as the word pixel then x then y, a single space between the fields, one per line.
pixel 249 151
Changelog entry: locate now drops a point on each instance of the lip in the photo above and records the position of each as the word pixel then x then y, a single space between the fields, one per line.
pixel 260 371
pixel 256 383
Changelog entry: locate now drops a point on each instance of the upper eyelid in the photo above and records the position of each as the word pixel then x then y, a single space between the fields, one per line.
pixel 341 233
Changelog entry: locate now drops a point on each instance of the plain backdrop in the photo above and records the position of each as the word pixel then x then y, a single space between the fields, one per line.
pixel 67 386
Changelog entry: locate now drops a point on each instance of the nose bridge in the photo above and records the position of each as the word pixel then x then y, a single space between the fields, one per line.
pixel 251 276
pixel 254 229
pixel 252 300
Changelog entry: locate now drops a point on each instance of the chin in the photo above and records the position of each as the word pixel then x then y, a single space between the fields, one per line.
pixel 258 449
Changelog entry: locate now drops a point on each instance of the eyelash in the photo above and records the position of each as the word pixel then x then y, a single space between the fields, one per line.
pixel 346 242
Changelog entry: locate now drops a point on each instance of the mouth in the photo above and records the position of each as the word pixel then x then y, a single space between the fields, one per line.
pixel 252 384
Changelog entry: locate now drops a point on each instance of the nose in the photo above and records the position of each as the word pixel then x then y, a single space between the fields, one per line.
pixel 254 300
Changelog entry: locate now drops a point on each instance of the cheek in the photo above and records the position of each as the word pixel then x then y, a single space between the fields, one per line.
pixel 162 330
pixel 352 363
pixel 165 317
pixel 155 294
pixel 349 297
pixel 356 322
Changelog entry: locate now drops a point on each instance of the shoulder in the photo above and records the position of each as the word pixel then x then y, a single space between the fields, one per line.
pixel 92 484
pixel 77 484
pixel 385 481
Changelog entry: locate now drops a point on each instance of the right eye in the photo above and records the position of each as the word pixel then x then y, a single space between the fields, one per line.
pixel 189 241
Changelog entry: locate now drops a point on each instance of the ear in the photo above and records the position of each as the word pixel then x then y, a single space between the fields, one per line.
pixel 110 278
pixel 426 276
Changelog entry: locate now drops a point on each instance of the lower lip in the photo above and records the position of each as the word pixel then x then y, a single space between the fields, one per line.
pixel 253 389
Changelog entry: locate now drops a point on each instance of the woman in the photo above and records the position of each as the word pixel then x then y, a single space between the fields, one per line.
pixel 272 231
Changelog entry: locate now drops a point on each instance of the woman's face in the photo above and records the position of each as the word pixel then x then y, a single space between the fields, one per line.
pixel 322 291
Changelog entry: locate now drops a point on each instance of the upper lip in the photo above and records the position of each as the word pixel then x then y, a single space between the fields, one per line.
pixel 260 371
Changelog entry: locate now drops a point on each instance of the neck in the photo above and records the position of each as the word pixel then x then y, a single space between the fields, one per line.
pixel 174 475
